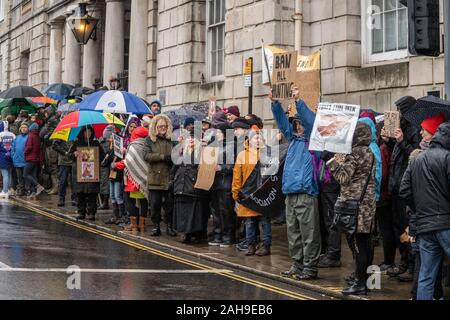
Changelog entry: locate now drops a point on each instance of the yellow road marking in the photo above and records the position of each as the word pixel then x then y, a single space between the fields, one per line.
pixel 142 247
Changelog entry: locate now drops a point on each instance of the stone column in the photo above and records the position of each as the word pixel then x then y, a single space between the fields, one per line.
pixel 114 39
pixel 137 82
pixel 55 58
pixel 72 59
pixel 91 58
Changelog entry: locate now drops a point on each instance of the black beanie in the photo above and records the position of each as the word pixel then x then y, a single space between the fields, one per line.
pixel 241 123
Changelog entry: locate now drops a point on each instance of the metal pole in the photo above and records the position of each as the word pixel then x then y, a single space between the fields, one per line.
pixel 298 18
pixel 447 48
pixel 250 92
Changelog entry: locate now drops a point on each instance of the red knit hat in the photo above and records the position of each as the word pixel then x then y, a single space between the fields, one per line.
pixel 433 123
pixel 234 110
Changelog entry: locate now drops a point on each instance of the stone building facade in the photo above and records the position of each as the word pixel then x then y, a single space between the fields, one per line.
pixel 185 51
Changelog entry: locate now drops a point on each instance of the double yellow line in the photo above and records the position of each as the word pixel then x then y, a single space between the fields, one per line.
pixel 139 246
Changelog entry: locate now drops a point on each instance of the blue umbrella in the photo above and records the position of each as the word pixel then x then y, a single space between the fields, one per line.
pixel 58 91
pixel 114 101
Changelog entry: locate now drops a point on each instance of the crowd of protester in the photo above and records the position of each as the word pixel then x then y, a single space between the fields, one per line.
pixel 403 185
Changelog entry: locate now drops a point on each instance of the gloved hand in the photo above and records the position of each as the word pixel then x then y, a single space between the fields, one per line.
pixel 326 155
pixel 168 158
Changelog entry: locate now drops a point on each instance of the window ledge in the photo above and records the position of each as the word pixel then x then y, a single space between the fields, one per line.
pixel 385 62
pixel 214 80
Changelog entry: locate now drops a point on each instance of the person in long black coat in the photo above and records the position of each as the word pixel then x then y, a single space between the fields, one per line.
pixel 406 140
pixel 87 192
pixel 191 211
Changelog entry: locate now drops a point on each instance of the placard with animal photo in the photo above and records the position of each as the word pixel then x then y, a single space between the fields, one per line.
pixel 88 165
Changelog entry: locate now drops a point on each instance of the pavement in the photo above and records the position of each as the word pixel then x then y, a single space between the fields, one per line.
pixel 330 282
pixel 43 256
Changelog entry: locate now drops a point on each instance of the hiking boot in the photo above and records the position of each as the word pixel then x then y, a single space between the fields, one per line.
pixel 39 189
pixel 406 277
pixel 61 202
pixel 141 224
pixel 215 243
pixel 251 250
pixel 396 271
pixel 187 239
pixel 226 243
pixel 264 250
pixel 326 262
pixel 350 278
pixel 385 267
pixel 133 226
pixel 295 269
pixel 304 276
pixel 242 246
pixel 355 289
pixel 170 232
pixel 156 231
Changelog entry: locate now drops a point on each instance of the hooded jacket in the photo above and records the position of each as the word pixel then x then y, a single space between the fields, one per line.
pixel 300 168
pixel 427 182
pixel 377 153
pixel 18 150
pixel 6 141
pixel 353 173
pixel 156 151
pixel 400 154
pixel 33 152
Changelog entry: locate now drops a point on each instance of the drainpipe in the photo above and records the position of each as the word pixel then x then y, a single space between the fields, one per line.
pixel 298 19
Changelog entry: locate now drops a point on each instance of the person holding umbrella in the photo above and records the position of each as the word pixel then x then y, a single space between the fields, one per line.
pixel 407 139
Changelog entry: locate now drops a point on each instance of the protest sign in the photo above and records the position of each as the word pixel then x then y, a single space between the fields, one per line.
pixel 267 54
pixel 308 79
pixel 207 168
pixel 262 191
pixel 284 74
pixel 334 127
pixel 88 165
pixel 118 146
pixel 391 123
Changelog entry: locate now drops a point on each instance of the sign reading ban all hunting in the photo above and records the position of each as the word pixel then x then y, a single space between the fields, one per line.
pixel 283 74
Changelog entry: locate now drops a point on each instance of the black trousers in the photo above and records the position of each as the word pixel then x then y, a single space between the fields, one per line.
pixel 22 186
pixel 160 199
pixel 224 217
pixel 330 238
pixel 362 244
pixel 386 224
pixel 87 203
pixel 400 220
pixel 137 207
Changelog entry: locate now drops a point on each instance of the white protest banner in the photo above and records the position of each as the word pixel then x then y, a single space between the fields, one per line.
pixel 334 127
pixel 267 53
pixel 118 146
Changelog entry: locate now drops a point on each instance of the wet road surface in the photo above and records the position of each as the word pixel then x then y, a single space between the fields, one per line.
pixel 36 250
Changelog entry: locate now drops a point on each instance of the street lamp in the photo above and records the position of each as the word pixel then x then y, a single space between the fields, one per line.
pixel 82 24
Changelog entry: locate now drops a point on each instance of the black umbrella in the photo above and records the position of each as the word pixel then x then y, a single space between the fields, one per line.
pixel 80 91
pixel 427 107
pixel 20 92
pixel 58 91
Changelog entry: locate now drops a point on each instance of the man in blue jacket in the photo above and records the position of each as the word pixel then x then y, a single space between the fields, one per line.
pixel 18 157
pixel 301 189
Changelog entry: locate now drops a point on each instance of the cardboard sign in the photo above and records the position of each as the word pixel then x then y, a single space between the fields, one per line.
pixel 308 83
pixel 391 123
pixel 308 79
pixel 207 168
pixel 334 127
pixel 88 165
pixel 267 54
pixel 118 145
pixel 284 74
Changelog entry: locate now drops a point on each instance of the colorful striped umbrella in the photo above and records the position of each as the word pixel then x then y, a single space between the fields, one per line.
pixel 70 126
